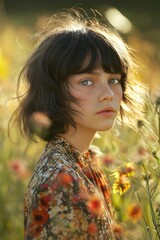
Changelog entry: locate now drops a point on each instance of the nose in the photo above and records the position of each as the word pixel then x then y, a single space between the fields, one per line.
pixel 106 94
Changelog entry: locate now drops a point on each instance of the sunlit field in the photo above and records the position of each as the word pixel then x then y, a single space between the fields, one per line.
pixel 130 159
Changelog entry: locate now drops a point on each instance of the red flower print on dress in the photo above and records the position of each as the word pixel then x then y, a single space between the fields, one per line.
pixel 92 229
pixel 95 205
pixel 40 216
pixel 36 230
pixel 64 179
pixel 44 200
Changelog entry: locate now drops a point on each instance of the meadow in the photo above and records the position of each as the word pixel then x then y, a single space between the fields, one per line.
pixel 130 159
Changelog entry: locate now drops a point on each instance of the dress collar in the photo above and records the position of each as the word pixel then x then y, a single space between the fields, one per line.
pixel 81 157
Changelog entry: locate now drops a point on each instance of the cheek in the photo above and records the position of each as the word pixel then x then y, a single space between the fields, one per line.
pixel 119 94
pixel 81 96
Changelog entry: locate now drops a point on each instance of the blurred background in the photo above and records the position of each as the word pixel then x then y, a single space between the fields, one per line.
pixel 139 24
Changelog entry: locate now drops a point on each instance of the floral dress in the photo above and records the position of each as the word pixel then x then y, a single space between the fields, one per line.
pixel 68 197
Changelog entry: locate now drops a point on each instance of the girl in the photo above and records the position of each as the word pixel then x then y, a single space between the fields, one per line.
pixel 77 76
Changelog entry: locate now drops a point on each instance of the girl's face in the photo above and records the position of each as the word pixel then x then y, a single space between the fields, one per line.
pixel 99 95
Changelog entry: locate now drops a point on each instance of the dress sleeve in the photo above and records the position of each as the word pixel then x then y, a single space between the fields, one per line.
pixel 59 211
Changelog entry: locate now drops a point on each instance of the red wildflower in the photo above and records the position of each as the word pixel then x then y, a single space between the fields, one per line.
pixel 118 229
pixel 40 216
pixel 107 160
pixel 94 205
pixel 135 212
pixel 142 151
pixel 92 229
pixel 19 169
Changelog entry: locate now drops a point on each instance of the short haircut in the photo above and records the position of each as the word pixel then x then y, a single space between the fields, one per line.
pixel 70 44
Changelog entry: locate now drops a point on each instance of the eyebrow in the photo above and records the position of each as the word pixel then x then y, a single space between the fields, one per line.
pixel 97 73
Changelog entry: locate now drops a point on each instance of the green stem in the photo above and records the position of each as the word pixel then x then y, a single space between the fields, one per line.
pixel 151 205
pixel 138 202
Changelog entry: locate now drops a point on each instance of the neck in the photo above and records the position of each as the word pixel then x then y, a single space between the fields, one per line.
pixel 78 138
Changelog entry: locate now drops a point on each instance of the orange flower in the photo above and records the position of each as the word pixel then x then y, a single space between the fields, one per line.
pixel 40 216
pixel 121 185
pixel 64 179
pixel 94 205
pixel 92 229
pixel 135 212
pixel 118 229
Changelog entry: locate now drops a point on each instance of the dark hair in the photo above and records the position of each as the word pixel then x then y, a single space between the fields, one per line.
pixel 70 44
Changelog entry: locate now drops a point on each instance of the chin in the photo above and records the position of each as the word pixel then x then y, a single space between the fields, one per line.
pixel 105 129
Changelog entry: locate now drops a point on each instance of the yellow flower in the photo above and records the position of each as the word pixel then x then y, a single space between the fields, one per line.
pixel 4 66
pixel 128 170
pixel 121 185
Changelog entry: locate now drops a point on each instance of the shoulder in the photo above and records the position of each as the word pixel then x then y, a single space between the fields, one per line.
pixel 54 165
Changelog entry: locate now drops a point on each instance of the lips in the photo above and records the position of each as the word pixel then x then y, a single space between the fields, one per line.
pixel 106 110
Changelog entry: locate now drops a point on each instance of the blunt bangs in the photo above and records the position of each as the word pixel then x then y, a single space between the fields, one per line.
pixel 90 51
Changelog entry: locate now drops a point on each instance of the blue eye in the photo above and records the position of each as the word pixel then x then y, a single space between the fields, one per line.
pixel 86 82
pixel 114 81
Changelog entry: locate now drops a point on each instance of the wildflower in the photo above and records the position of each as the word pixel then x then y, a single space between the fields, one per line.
pixel 142 151
pixel 94 205
pixel 64 179
pixel 19 169
pixel 4 66
pixel 118 229
pixel 40 124
pixel 121 185
pixel 41 119
pixel 128 170
pixel 135 212
pixel 107 160
pixel 40 216
pixel 92 229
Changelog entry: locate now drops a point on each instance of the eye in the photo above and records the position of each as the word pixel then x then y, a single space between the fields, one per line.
pixel 114 81
pixel 86 82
